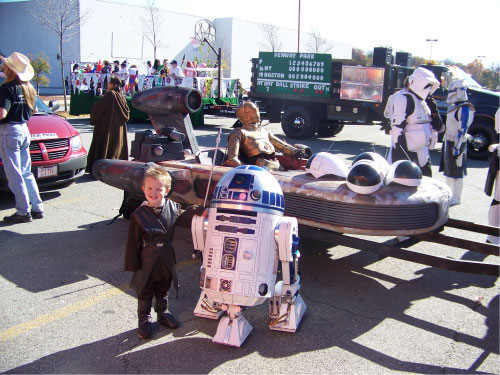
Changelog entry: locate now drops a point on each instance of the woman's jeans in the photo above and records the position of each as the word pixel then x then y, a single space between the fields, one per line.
pixel 14 150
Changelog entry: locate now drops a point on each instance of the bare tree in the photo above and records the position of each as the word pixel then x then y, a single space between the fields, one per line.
pixel 317 43
pixel 271 38
pixel 64 18
pixel 152 23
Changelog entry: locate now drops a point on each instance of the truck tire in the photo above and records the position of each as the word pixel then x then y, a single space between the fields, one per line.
pixel 297 122
pixel 330 129
pixel 483 134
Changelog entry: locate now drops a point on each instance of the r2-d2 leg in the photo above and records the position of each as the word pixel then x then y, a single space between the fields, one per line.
pixel 205 308
pixel 286 307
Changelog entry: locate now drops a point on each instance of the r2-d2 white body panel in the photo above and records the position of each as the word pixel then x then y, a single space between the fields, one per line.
pixel 240 267
pixel 244 240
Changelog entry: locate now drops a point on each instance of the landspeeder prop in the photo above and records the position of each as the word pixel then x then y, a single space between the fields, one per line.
pixel 325 208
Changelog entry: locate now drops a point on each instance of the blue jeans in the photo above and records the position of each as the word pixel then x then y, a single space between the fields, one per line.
pixel 14 150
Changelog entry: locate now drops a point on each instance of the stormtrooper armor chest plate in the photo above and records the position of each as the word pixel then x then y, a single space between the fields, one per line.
pixel 453 125
pixel 421 114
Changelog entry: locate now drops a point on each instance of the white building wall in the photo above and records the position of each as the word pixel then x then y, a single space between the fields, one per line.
pixel 247 39
pixel 114 31
pixel 21 33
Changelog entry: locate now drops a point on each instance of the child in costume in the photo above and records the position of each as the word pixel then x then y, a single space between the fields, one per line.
pixel 149 252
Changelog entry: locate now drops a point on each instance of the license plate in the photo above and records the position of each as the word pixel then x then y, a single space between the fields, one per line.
pixel 49 171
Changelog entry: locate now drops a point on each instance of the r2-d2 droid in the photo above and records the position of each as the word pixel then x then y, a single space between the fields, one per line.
pixel 243 240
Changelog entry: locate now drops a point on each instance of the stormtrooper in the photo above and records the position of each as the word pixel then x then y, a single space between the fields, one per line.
pixel 242 241
pixel 252 144
pixel 454 153
pixel 415 121
pixel 492 186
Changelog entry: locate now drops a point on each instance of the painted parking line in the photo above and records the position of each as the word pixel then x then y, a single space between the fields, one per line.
pixel 61 313
pixel 65 311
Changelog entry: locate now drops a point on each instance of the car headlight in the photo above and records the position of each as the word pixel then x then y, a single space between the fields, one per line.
pixel 76 143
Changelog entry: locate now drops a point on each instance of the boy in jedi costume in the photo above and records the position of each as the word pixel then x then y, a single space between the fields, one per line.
pixel 149 252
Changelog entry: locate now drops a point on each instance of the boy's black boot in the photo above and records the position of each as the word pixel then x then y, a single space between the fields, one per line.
pixel 144 315
pixel 163 315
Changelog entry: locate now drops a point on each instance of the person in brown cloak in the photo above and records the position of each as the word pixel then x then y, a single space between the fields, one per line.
pixel 109 116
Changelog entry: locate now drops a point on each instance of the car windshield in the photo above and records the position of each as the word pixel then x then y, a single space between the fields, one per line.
pixel 39 104
pixel 459 74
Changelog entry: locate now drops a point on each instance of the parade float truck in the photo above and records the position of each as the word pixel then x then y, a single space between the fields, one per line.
pixel 311 93
pixel 326 209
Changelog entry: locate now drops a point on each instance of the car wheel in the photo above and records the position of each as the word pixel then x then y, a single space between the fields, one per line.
pixel 297 122
pixel 330 129
pixel 483 135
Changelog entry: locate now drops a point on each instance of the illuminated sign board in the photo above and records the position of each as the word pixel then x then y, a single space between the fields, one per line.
pixel 362 83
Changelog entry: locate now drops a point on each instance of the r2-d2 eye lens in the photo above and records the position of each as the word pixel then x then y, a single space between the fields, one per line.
pixel 239 180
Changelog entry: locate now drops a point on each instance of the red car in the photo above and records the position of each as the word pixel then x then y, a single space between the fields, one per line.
pixel 57 152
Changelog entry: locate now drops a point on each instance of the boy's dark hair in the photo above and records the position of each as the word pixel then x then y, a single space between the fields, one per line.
pixel 160 174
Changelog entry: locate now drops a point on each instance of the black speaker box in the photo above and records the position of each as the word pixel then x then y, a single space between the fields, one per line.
pixel 403 58
pixel 382 56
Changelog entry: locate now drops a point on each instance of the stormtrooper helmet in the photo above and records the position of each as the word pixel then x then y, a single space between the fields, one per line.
pixel 382 164
pixel 404 172
pixel 423 82
pixel 364 177
pixel 457 92
pixel 324 163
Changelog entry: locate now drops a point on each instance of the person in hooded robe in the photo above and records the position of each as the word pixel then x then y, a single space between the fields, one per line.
pixel 109 116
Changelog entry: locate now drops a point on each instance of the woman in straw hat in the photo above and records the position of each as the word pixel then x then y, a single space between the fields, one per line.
pixel 17 100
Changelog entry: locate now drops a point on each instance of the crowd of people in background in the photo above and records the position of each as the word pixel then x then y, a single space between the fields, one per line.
pixel 128 74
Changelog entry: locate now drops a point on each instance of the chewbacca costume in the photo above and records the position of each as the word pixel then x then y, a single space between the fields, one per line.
pixel 109 116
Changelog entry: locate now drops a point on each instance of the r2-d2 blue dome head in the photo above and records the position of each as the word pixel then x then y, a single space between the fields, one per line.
pixel 249 188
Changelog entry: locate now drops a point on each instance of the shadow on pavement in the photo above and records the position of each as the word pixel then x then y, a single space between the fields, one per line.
pixel 345 298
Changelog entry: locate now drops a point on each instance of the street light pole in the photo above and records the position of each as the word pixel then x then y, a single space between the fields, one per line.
pixel 431 40
pixel 298 34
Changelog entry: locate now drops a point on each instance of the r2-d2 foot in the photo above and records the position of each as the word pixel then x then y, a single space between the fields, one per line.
pixel 286 307
pixel 233 328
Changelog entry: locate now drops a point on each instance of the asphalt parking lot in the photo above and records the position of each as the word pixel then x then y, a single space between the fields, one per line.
pixel 66 306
